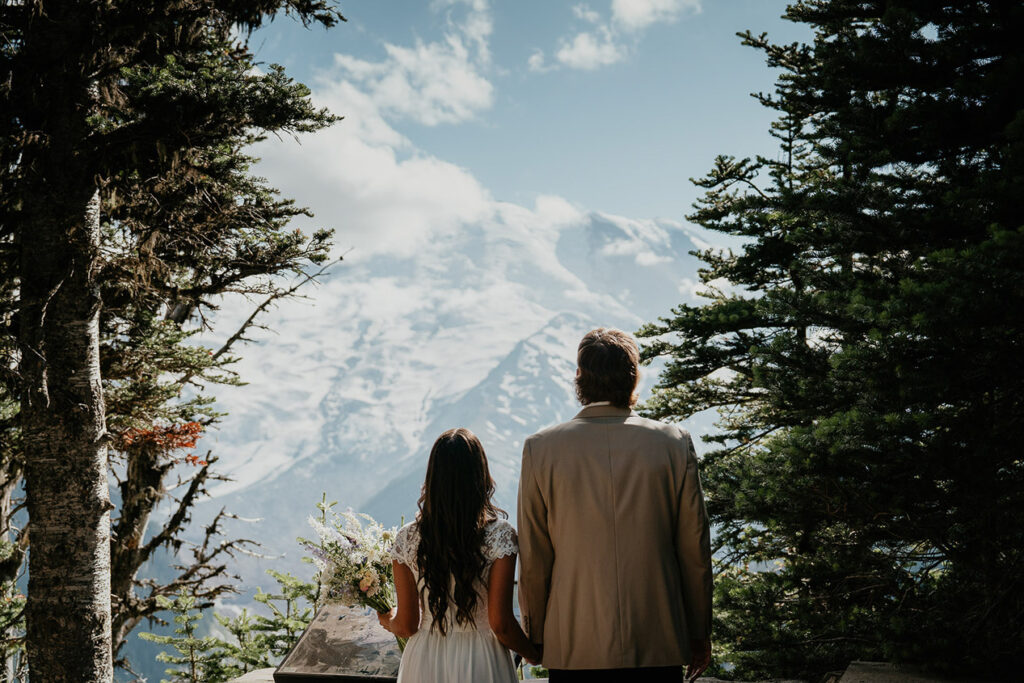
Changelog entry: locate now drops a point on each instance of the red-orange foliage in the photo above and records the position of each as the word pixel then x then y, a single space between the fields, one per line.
pixel 164 438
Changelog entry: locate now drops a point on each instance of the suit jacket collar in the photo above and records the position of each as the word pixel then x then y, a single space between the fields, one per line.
pixel 603 411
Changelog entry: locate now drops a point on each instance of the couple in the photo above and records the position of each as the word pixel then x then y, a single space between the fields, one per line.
pixel 615 576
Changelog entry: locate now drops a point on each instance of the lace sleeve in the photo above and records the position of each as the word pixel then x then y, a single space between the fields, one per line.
pixel 501 540
pixel 406 542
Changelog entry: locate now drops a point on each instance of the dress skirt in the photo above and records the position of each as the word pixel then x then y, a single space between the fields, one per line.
pixel 461 656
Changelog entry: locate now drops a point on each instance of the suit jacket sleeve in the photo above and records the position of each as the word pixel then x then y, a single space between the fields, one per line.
pixel 536 554
pixel 693 548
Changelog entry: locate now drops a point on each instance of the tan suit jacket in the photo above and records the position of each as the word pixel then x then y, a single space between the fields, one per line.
pixel 614 543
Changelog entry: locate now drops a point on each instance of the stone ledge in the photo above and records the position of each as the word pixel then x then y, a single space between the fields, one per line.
pixel 857 672
pixel 267 676
pixel 883 672
pixel 258 676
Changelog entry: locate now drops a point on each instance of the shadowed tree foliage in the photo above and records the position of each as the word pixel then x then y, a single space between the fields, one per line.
pixel 864 348
pixel 204 229
pixel 254 641
pixel 126 209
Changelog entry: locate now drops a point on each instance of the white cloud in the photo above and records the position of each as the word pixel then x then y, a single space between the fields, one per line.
pixel 639 249
pixel 635 15
pixel 435 82
pixel 591 50
pixel 430 83
pixel 584 12
pixel 477 25
pixel 556 212
pixel 610 41
pixel 367 180
pixel 649 258
pixel 698 291
pixel 536 61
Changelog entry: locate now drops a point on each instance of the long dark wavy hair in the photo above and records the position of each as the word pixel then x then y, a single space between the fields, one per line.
pixel 455 506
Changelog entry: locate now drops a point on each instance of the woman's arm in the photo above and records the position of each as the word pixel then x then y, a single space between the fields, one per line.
pixel 499 610
pixel 404 620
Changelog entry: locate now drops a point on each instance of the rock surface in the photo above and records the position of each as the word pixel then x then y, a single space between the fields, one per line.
pixel 857 672
pixel 883 672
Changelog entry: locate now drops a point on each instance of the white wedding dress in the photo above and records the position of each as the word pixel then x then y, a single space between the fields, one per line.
pixel 469 652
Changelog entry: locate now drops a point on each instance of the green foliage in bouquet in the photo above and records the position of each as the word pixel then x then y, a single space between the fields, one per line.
pixel 353 555
pixel 864 348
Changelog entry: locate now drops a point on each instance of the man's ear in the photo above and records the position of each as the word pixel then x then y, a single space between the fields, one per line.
pixel 577 373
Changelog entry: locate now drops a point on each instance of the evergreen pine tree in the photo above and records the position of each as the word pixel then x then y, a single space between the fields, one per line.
pixel 863 349
pixel 291 611
pixel 12 629
pixel 194 654
pixel 253 641
pixel 120 160
pixel 242 652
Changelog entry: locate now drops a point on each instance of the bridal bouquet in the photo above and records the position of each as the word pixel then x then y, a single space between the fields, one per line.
pixel 353 554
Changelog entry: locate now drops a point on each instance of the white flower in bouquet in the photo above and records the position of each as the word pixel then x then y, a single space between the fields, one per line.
pixel 353 554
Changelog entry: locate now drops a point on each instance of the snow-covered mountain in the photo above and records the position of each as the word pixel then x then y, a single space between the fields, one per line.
pixel 480 330
pixel 527 390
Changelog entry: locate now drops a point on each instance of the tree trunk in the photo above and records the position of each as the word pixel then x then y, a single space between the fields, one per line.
pixel 62 410
pixel 141 491
pixel 68 610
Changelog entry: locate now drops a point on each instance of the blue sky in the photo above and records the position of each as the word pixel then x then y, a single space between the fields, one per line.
pixel 610 105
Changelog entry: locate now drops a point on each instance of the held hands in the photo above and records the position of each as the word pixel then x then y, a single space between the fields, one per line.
pixel 700 659
pixel 385 619
pixel 535 655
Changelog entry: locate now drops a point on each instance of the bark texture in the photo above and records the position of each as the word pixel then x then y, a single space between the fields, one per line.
pixel 68 609
pixel 63 426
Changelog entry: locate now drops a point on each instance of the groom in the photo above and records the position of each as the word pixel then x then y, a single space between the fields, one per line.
pixel 615 577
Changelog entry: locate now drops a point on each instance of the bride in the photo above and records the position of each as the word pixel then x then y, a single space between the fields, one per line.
pixel 454 572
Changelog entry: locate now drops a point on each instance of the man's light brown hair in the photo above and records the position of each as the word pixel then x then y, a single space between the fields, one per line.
pixel 608 362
